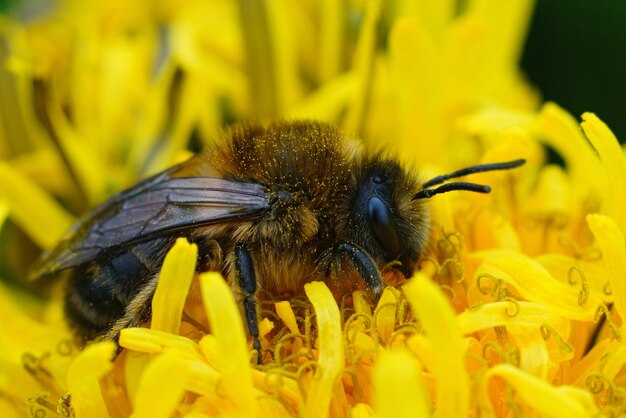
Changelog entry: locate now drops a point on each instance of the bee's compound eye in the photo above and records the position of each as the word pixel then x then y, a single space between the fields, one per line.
pixel 383 223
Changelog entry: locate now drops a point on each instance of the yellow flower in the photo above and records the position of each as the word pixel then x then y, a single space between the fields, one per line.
pixel 503 318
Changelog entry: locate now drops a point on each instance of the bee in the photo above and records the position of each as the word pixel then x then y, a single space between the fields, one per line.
pixel 271 207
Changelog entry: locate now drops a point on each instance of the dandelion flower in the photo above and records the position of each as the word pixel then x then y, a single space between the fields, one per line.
pixel 517 307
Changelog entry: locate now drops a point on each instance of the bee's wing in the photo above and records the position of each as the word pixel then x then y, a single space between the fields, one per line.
pixel 158 206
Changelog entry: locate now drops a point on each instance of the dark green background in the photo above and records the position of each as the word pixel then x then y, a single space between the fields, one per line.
pixel 576 55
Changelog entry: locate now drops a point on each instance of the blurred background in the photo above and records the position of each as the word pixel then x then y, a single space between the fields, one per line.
pixel 575 55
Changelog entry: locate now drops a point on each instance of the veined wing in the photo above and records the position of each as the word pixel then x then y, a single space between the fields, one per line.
pixel 158 206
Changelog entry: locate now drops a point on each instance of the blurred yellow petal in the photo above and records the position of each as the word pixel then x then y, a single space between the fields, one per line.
pixel 161 387
pixel 364 66
pixel 327 102
pixel 83 379
pixel 331 354
pixel 88 167
pixel 175 278
pixel 507 23
pixel 44 220
pixel 611 241
pixel 330 39
pixel 416 87
pixel 436 316
pixel 4 212
pixel 399 389
pixel 227 327
pixel 284 48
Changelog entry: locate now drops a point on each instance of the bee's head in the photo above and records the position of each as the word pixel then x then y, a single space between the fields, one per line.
pixel 388 214
pixel 383 217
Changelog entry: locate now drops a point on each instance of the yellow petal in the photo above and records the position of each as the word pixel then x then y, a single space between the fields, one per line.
pixel 331 354
pixel 613 160
pixel 287 388
pixel 538 394
pixel 152 341
pixel 385 315
pixel 362 410
pixel 227 328
pixel 83 379
pixel 586 275
pixel 562 132
pixel 616 361
pixel 498 314
pixel 44 220
pixel 175 278
pixel 533 350
pixel 161 388
pixel 534 283
pixel 399 391
pixel 440 323
pixel 361 305
pixel 611 240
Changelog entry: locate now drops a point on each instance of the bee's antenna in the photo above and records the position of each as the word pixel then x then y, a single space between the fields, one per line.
pixel 472 170
pixel 459 185
pixel 426 193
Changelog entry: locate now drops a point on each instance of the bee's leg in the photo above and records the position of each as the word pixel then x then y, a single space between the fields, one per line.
pixel 364 264
pixel 247 282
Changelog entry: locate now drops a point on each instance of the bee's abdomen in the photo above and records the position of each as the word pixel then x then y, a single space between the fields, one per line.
pixel 99 292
